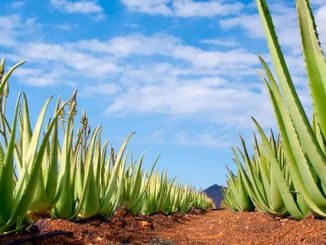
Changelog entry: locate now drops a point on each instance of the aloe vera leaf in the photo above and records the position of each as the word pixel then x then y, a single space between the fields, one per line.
pixel 97 161
pixel 136 190
pixel 300 121
pixel 115 172
pixel 89 199
pixel 243 195
pixel 319 134
pixel 314 60
pixel 32 148
pixel 27 132
pixel 103 169
pixel 40 201
pixel 143 186
pixel 298 165
pixel 284 190
pixel 27 187
pixel 255 196
pixel 277 203
pixel 254 178
pixel 8 74
pixel 64 207
pixel 52 175
pixel 300 186
pixel 7 172
pixel 116 184
pixel 264 175
pixel 138 194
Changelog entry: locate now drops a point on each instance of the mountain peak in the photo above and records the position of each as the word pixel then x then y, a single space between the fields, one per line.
pixel 215 193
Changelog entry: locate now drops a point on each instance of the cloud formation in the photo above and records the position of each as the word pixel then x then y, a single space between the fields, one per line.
pixel 162 74
pixel 79 7
pixel 183 8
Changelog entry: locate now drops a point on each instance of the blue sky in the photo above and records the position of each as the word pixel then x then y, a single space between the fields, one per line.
pixel 181 73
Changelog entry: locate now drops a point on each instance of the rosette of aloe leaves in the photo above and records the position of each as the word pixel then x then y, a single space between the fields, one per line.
pixel 302 187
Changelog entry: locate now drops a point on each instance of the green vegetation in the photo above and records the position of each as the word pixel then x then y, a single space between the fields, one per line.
pixel 287 176
pixel 78 178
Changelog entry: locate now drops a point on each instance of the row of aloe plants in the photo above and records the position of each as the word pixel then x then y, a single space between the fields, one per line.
pixel 78 178
pixel 286 176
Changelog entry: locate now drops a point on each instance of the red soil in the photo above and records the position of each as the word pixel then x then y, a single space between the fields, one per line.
pixel 212 227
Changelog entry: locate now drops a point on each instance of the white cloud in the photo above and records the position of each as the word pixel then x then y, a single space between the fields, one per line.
pixel 133 44
pixel 149 6
pixel 124 46
pixel 224 104
pixel 196 87
pixel 17 5
pixel 60 63
pixel 183 8
pixel 318 2
pixel 99 89
pixel 222 42
pixel 247 22
pixel 13 27
pixel 7 28
pixel 79 7
pixel 190 8
pixel 66 26
pixel 209 139
pixel 42 78
pixel 227 59
pixel 205 138
pixel 67 55
pixel 142 76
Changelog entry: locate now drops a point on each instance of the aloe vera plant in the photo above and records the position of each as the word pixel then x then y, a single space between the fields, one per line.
pixel 306 158
pixel 262 182
pixel 302 140
pixel 236 195
pixel 17 188
pixel 157 193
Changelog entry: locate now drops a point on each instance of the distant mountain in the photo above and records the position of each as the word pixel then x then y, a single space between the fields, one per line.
pixel 215 193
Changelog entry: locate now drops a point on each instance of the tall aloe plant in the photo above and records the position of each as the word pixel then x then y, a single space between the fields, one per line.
pixel 303 141
pixel 304 144
pixel 17 187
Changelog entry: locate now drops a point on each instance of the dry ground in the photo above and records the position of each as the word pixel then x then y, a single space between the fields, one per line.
pixel 212 227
